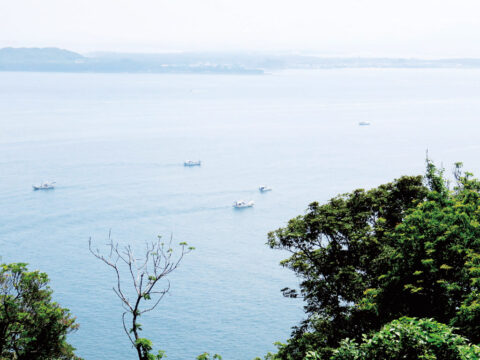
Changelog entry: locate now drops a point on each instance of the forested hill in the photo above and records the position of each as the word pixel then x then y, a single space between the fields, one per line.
pixel 37 56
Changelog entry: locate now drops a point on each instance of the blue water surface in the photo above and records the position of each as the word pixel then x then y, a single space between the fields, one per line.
pixel 115 144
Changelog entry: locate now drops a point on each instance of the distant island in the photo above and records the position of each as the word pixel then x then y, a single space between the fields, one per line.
pixel 60 60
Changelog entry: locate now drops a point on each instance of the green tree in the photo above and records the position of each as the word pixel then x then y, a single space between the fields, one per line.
pixel 407 248
pixel 337 251
pixel 409 338
pixel 432 270
pixel 206 356
pixel 32 327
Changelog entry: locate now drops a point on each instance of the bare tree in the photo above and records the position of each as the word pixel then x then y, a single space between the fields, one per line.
pixel 145 273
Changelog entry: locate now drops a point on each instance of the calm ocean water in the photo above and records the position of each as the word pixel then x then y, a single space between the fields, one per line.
pixel 116 143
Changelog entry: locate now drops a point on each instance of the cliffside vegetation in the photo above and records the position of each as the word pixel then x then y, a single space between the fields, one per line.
pixel 407 248
pixel 32 326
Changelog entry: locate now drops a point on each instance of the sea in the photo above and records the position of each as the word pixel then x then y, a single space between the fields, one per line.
pixel 115 144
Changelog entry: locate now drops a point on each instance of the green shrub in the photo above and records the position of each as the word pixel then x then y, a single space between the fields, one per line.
pixel 410 338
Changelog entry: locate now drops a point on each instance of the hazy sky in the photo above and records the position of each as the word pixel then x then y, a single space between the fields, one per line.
pixel 421 28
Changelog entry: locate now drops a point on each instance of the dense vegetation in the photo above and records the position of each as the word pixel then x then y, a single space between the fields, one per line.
pixel 409 338
pixel 407 248
pixel 32 327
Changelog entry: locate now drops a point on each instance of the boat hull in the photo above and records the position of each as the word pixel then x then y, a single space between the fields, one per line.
pixel 42 188
pixel 192 163
pixel 243 204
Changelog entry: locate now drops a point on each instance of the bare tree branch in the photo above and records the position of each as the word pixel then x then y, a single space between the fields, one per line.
pixel 146 273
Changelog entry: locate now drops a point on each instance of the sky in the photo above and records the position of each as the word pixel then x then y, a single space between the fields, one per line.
pixel 393 28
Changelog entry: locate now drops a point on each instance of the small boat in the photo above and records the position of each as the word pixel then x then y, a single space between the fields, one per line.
pixel 44 186
pixel 264 188
pixel 243 204
pixel 364 123
pixel 192 163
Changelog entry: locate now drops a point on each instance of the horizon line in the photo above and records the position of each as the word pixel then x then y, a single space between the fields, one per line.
pixel 306 53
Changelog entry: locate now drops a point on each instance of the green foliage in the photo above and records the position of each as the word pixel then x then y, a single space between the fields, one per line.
pixel 409 338
pixel 338 251
pixel 145 346
pixel 432 271
pixel 160 355
pixel 206 356
pixel 407 248
pixel 32 327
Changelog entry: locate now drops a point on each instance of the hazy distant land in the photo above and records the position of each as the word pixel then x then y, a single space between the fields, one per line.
pixel 59 60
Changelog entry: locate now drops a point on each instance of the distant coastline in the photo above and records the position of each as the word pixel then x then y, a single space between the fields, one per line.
pixel 60 60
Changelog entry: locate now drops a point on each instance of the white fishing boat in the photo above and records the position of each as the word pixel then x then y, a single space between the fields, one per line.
pixel 264 188
pixel 44 186
pixel 192 163
pixel 243 204
pixel 364 123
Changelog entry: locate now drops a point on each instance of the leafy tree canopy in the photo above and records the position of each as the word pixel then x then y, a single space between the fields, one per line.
pixel 32 327
pixel 407 248
pixel 409 338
